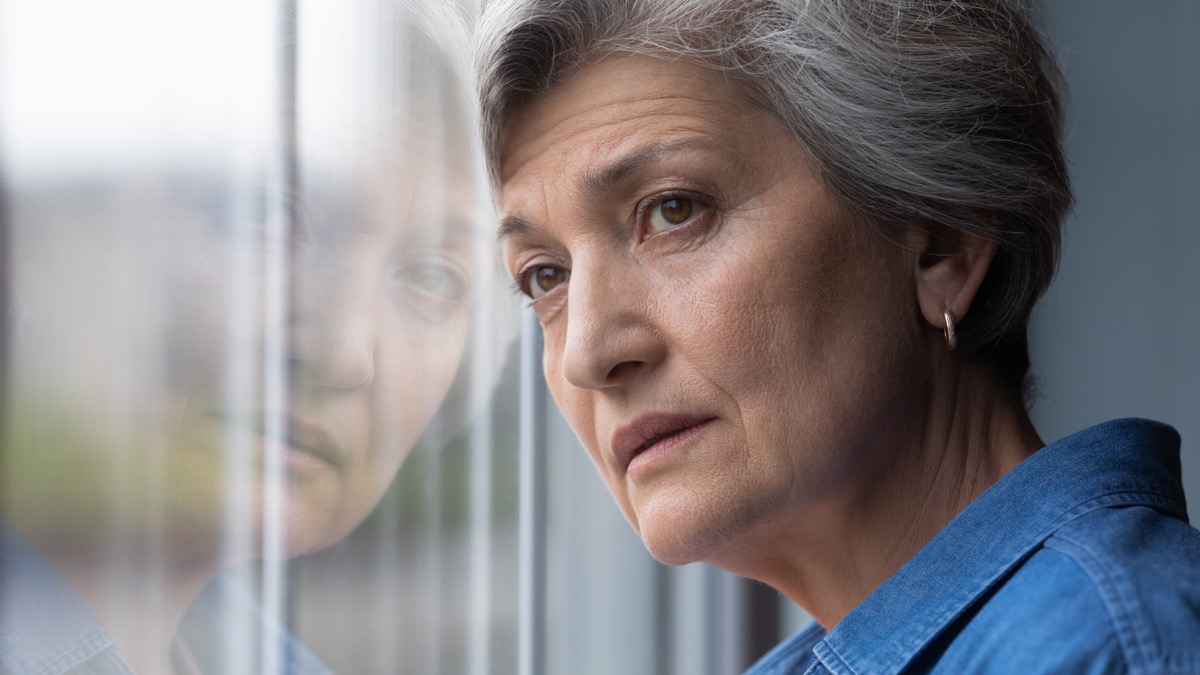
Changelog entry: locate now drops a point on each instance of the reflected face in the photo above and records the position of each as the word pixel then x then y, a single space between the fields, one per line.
pixel 191 358
pixel 382 273
pixel 728 346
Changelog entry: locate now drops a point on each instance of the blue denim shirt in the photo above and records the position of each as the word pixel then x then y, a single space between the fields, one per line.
pixel 1080 560
pixel 45 629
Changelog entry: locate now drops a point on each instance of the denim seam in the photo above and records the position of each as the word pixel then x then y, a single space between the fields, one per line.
pixel 87 649
pixel 1120 600
pixel 994 575
pixel 1128 495
pixel 785 656
pixel 835 663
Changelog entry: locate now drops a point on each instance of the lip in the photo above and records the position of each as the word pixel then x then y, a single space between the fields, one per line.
pixel 632 439
pixel 300 437
pixel 313 440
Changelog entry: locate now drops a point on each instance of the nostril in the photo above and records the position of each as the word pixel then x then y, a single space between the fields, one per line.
pixel 345 365
pixel 611 334
pixel 351 378
pixel 609 354
pixel 623 370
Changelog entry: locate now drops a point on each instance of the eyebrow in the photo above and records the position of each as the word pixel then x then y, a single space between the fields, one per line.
pixel 602 181
pixel 512 225
pixel 595 183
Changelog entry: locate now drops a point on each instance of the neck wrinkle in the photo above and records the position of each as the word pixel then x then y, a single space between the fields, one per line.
pixel 835 555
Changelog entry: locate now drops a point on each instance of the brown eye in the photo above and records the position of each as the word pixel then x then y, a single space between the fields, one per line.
pixel 673 212
pixel 543 279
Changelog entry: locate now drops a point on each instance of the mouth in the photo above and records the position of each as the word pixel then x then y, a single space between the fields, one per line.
pixel 312 440
pixel 651 432
pixel 300 443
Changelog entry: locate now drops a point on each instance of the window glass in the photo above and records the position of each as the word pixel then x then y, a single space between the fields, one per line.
pixel 252 334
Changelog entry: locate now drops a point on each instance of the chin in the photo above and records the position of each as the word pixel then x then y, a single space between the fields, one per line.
pixel 305 524
pixel 315 530
pixel 679 529
pixel 685 526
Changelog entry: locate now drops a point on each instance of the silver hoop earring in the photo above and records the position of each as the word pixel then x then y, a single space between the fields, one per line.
pixel 951 336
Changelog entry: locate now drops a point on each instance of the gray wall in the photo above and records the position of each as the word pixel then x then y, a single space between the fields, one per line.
pixel 1118 334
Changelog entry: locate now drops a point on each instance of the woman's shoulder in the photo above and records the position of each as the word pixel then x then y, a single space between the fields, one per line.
pixel 1116 590
pixel 1103 571
pixel 1144 566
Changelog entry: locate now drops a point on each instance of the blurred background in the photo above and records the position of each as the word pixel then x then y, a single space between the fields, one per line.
pixel 255 338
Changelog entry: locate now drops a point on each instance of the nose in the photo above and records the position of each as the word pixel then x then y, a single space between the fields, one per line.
pixel 334 326
pixel 611 335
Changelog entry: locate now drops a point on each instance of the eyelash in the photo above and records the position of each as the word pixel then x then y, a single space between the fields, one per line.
pixel 646 210
pixel 523 283
pixel 524 279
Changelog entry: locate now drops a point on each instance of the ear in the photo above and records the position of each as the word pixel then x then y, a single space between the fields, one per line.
pixel 950 266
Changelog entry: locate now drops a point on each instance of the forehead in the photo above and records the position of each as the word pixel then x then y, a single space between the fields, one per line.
pixel 408 176
pixel 618 101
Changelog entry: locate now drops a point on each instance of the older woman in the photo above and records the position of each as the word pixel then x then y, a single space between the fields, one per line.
pixel 784 255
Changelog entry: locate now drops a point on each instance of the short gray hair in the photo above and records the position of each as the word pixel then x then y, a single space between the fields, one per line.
pixel 934 114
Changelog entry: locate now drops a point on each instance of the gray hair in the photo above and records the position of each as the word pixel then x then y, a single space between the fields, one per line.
pixel 935 114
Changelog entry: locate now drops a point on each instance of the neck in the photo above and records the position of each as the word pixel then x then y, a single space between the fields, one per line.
pixel 828 557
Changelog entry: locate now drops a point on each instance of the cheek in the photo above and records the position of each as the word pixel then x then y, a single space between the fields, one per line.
pixel 749 319
pixel 196 349
pixel 416 365
pixel 811 302
pixel 797 336
pixel 212 316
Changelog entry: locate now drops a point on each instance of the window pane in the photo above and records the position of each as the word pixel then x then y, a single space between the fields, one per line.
pixel 249 278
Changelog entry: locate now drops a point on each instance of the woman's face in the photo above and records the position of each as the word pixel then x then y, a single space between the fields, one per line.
pixel 382 272
pixel 730 348
pixel 173 344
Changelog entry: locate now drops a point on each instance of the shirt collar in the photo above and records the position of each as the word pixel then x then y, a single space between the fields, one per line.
pixel 228 630
pixel 1122 462
pixel 44 626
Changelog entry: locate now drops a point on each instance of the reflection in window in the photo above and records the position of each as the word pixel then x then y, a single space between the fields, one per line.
pixel 262 409
pixel 252 337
